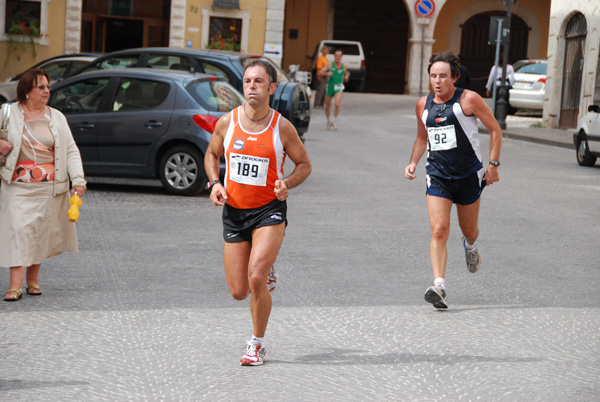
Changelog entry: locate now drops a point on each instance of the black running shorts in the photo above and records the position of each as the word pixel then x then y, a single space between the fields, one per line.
pixel 460 191
pixel 238 224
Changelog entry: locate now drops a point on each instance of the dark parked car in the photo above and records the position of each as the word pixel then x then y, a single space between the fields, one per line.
pixel 145 123
pixel 58 67
pixel 290 99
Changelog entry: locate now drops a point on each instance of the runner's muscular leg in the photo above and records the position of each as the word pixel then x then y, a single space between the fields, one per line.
pixel 468 217
pixel 328 106
pixel 237 256
pixel 439 219
pixel 266 242
pixel 338 103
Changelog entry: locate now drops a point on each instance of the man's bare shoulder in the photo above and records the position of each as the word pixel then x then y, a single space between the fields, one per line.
pixel 471 101
pixel 285 126
pixel 223 124
pixel 421 102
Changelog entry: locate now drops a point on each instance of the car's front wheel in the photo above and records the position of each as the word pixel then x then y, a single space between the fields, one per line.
pixel 584 158
pixel 181 170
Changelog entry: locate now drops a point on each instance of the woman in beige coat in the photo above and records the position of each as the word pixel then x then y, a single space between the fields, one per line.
pixel 41 157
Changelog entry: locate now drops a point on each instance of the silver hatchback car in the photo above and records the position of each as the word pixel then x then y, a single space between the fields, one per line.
pixel 529 89
pixel 58 67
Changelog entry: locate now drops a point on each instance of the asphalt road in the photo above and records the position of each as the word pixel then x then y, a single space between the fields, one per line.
pixel 142 312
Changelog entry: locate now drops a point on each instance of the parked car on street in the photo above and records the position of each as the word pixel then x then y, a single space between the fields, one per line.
pixel 353 57
pixel 58 67
pixel 529 89
pixel 290 99
pixel 587 137
pixel 145 123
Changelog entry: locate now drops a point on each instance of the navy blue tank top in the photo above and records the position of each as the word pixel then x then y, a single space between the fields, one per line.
pixel 453 139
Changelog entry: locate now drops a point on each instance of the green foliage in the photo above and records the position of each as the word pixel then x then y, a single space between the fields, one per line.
pixel 232 43
pixel 20 37
pixel 537 124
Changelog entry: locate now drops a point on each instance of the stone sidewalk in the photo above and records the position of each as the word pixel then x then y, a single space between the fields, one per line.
pixel 525 128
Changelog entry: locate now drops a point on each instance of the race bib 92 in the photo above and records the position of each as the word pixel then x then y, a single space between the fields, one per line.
pixel 441 138
pixel 247 169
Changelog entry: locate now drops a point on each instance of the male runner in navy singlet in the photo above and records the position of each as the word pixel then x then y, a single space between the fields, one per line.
pixel 447 129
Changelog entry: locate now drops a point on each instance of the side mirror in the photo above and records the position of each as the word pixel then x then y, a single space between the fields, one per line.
pixel 594 108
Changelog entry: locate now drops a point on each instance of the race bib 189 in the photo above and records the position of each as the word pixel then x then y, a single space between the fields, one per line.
pixel 442 138
pixel 247 169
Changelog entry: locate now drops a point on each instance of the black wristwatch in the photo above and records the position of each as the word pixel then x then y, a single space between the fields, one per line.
pixel 495 163
pixel 211 184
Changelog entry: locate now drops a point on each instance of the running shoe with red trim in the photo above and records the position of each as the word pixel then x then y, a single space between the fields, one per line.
pixel 255 354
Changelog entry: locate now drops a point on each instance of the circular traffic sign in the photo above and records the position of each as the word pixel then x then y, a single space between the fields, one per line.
pixel 425 8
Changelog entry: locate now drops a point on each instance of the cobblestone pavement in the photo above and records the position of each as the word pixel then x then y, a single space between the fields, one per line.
pixel 142 312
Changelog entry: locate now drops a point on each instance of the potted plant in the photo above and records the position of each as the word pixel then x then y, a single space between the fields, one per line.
pixel 220 43
pixel 20 37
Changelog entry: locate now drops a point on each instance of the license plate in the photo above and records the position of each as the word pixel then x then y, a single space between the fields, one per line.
pixel 522 85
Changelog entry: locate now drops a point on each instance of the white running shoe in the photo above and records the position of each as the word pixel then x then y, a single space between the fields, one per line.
pixel 473 258
pixel 334 126
pixel 255 354
pixel 436 295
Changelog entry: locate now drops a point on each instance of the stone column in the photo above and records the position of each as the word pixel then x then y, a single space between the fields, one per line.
pixel 274 29
pixel 177 27
pixel 73 26
pixel 415 69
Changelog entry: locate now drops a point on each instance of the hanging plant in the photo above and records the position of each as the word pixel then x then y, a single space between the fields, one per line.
pixel 20 37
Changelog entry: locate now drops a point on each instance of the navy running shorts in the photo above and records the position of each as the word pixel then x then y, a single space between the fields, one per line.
pixel 460 191
pixel 238 224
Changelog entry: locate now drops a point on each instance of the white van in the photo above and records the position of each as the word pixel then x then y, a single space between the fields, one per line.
pixel 353 57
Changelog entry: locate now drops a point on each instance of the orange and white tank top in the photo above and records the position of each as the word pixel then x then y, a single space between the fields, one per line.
pixel 254 161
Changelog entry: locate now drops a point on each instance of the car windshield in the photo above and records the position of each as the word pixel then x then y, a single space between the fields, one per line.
pixel 215 96
pixel 347 49
pixel 538 68
pixel 281 76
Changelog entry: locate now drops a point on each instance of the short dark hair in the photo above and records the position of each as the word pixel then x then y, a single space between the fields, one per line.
pixel 446 57
pixel 266 65
pixel 27 81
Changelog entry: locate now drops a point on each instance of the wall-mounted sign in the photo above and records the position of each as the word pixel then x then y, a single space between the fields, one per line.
pixel 226 4
pixel 425 8
pixel 273 50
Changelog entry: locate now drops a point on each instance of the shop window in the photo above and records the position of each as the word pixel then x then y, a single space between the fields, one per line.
pixel 20 18
pixel 225 24
pixel 225 33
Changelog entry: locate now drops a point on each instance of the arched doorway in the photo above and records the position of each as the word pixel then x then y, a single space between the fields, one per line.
pixel 110 26
pixel 478 56
pixel 383 31
pixel 575 34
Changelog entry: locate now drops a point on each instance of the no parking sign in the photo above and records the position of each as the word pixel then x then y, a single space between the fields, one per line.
pixel 424 8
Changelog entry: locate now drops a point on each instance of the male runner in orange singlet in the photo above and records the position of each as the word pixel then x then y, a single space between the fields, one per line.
pixel 255 139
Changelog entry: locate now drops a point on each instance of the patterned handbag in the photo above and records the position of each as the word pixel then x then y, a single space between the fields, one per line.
pixel 4 128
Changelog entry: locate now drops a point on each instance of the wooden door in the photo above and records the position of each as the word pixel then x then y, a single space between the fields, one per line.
pixel 478 56
pixel 383 29
pixel 572 72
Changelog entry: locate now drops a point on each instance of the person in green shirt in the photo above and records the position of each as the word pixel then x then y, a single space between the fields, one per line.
pixel 337 74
